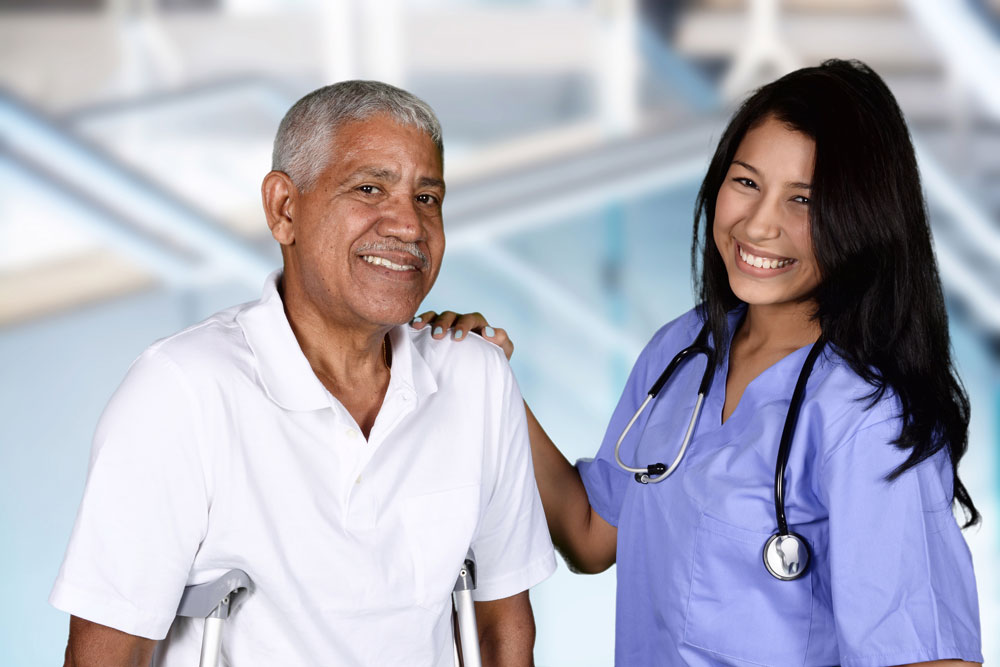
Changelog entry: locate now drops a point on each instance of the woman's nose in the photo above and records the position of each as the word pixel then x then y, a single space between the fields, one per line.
pixel 763 221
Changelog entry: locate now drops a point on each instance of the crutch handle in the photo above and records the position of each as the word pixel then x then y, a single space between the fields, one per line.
pixel 465 610
pixel 213 602
pixel 215 597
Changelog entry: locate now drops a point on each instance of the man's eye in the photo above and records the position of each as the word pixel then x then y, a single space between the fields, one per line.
pixel 369 189
pixel 427 199
pixel 745 182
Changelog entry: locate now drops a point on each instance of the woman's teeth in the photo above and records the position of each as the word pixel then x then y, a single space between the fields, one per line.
pixel 763 263
pixel 382 261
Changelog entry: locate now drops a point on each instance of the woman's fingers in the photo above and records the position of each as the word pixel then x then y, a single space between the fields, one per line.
pixel 439 322
pixel 423 319
pixel 466 323
pixel 442 322
pixel 450 323
pixel 499 337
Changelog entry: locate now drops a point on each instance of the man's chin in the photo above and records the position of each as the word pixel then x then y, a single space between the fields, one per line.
pixel 395 317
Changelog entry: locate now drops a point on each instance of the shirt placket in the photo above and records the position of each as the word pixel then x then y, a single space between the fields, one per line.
pixel 360 502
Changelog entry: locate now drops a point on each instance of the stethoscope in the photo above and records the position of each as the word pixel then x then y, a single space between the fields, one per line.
pixel 786 554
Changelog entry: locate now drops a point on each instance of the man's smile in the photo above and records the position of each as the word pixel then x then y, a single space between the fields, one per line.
pixel 394 255
pixel 387 263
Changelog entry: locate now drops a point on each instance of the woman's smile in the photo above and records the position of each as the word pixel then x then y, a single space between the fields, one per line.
pixel 758 263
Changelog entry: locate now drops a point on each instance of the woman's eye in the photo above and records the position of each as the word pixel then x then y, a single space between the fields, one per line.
pixel 800 199
pixel 745 182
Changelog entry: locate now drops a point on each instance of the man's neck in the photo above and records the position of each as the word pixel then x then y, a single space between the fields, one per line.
pixel 352 362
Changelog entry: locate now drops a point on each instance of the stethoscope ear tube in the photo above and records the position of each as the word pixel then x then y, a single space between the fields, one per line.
pixel 657 472
pixel 699 346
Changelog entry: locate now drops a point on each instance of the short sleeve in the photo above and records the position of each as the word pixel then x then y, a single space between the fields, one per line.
pixel 903 586
pixel 513 549
pixel 145 506
pixel 602 477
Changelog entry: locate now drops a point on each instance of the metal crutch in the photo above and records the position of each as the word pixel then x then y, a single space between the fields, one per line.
pixel 465 610
pixel 212 601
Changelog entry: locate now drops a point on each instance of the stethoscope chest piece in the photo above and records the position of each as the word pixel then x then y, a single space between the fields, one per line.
pixel 786 557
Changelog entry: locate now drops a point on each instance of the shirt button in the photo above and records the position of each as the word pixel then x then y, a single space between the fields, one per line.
pixel 358 480
pixel 351 433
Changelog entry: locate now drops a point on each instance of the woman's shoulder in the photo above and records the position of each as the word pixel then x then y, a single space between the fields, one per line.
pixel 849 403
pixel 856 426
pixel 667 341
pixel 682 329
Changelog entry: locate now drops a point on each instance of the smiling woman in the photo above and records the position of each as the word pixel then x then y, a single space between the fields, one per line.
pixel 762 217
pixel 810 521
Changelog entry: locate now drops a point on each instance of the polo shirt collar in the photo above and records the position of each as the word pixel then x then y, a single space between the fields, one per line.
pixel 410 371
pixel 284 371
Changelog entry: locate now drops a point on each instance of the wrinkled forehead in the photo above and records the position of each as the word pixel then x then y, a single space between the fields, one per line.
pixel 379 124
pixel 384 148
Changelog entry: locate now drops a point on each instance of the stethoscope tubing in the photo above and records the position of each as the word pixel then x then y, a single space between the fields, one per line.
pixel 657 472
pixel 788 432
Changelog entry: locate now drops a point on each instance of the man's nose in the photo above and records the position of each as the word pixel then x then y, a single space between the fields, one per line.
pixel 763 221
pixel 401 219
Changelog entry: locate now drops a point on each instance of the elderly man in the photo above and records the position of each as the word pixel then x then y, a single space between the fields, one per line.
pixel 344 461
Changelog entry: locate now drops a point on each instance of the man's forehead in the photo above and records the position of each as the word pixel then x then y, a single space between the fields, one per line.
pixel 383 149
pixel 378 131
pixel 378 173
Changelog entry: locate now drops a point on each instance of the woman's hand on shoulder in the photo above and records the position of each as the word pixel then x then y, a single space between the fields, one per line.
pixel 458 325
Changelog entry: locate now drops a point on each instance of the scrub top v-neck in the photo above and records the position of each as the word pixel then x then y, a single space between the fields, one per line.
pixel 891 578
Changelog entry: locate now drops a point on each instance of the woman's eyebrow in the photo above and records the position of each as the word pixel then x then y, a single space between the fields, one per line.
pixel 797 185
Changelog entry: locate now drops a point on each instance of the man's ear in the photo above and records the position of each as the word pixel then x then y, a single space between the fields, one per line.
pixel 280 197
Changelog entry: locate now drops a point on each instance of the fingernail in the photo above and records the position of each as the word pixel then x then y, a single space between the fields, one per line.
pixel 438 331
pixel 490 333
pixel 458 334
pixel 417 320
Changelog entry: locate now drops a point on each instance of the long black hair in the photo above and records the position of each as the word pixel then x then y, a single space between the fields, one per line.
pixel 879 302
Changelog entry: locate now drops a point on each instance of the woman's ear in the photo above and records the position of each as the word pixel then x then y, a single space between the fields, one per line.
pixel 279 196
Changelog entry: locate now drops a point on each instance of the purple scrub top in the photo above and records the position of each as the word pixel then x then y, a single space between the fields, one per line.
pixel 891 578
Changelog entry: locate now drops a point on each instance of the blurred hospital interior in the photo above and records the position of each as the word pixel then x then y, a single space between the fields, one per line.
pixel 134 135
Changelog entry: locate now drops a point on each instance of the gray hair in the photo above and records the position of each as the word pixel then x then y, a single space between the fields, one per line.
pixel 302 145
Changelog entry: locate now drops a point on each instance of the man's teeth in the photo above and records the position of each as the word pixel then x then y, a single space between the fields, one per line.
pixel 382 261
pixel 763 263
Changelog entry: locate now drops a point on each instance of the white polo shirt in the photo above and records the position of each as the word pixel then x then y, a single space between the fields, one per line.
pixel 222 449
